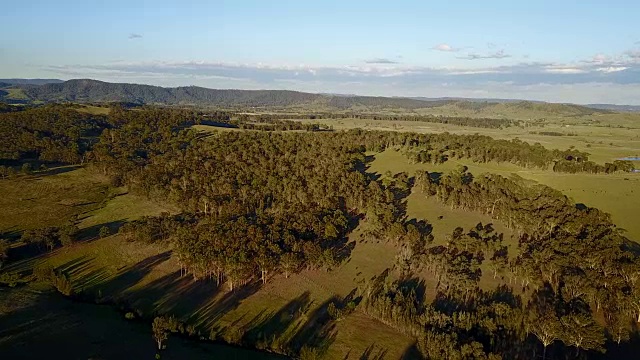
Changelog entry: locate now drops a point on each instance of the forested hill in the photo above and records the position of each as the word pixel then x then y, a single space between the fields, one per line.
pixel 85 90
pixel 4 82
pixel 98 91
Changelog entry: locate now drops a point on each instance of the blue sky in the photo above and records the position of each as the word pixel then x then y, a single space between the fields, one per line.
pixel 562 51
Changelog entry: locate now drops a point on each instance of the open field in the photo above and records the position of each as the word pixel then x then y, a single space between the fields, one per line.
pixel 617 194
pixel 49 200
pixel 148 277
pixel 620 138
pixel 16 94
pixel 94 110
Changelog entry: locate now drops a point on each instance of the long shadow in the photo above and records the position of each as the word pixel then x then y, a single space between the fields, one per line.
pixel 93 232
pixel 319 331
pixel 372 353
pixel 631 246
pixel 174 294
pixel 56 171
pixel 415 285
pixel 411 353
pixel 218 124
pixel 212 312
pixel 26 253
pixel 76 265
pixel 64 329
pixel 101 286
pixel 274 326
pixel 363 167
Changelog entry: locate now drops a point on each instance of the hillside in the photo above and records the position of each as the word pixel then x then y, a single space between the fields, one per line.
pixel 521 110
pixel 98 91
pixel 29 81
pixel 86 90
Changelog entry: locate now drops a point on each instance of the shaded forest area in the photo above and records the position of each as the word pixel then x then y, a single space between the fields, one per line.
pixel 259 203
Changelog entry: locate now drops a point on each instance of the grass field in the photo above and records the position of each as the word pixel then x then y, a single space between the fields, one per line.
pixel 148 277
pixel 617 194
pixel 16 94
pixel 94 110
pixel 49 199
pixel 618 136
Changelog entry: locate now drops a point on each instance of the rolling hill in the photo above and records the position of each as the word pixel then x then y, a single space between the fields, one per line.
pixel 86 90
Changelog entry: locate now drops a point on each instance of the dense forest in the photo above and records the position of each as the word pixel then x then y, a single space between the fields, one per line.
pixel 259 203
pixel 54 133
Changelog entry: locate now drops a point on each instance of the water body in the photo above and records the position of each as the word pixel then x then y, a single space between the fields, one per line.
pixel 45 325
pixel 631 158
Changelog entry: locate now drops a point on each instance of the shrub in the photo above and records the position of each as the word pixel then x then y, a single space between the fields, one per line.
pixel 104 232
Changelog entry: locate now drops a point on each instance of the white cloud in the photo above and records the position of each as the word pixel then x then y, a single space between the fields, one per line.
pixel 135 36
pixel 612 69
pixel 385 79
pixel 564 70
pixel 445 47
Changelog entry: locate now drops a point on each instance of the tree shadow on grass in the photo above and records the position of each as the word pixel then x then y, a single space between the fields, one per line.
pixel 93 232
pixel 209 314
pixel 274 326
pixel 174 294
pixel 411 353
pixel 56 170
pixel 318 331
pixel 373 353
pixel 100 285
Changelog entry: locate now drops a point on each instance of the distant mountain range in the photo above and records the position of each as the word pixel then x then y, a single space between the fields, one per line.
pixel 30 81
pixel 86 90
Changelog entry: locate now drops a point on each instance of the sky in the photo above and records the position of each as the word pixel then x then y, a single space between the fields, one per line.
pixel 559 51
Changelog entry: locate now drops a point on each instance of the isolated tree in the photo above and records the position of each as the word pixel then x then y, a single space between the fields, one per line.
pixel 160 329
pixel 104 232
pixel 26 169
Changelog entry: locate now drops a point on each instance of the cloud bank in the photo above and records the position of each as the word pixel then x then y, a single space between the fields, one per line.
pixel 600 79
